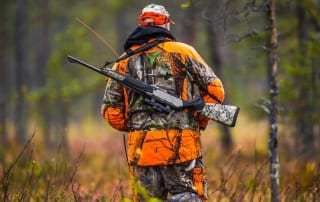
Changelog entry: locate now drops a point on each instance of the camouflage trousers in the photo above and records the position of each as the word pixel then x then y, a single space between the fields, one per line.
pixel 179 182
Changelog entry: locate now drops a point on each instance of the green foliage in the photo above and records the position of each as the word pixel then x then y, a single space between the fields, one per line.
pixel 187 4
pixel 143 193
pixel 298 65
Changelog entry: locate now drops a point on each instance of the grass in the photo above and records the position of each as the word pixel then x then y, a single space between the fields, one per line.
pixel 96 168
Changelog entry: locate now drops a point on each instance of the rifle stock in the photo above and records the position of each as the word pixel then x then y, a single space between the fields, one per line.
pixel 165 102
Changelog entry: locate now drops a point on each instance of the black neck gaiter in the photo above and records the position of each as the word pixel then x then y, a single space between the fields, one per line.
pixel 143 34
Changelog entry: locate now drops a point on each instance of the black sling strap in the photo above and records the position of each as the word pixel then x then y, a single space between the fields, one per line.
pixel 145 47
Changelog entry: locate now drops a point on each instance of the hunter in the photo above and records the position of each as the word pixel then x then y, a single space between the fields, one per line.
pixel 164 149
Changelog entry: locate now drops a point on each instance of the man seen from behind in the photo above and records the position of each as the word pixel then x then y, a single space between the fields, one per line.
pixel 164 149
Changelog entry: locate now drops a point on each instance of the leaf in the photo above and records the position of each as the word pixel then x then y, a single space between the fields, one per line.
pixel 186 5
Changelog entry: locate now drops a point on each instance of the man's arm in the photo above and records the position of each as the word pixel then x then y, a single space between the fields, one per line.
pixel 113 106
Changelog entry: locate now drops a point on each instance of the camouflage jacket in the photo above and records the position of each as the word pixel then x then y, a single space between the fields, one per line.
pixel 172 66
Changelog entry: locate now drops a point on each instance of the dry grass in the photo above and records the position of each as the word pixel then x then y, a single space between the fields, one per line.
pixel 96 169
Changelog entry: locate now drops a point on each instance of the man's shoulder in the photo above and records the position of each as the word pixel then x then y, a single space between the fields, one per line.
pixel 179 44
pixel 174 46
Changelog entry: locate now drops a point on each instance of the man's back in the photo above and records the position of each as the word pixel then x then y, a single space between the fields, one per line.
pixel 164 149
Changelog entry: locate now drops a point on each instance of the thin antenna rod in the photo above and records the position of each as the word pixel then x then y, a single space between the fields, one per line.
pixel 98 35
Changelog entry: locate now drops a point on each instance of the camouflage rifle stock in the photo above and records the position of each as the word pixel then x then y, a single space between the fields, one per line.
pixel 165 102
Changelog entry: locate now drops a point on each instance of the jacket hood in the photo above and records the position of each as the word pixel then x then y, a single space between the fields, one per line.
pixel 143 34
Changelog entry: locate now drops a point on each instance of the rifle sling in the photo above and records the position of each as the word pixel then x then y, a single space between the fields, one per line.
pixel 145 47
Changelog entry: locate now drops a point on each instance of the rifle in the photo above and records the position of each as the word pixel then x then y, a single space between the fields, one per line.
pixel 162 101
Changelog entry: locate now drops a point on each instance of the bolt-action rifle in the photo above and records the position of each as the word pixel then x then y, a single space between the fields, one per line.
pixel 162 101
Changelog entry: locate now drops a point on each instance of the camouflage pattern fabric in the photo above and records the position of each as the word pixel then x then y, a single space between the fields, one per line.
pixel 176 180
pixel 178 69
pixel 165 71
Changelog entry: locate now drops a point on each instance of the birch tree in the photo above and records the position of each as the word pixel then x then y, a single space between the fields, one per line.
pixel 274 89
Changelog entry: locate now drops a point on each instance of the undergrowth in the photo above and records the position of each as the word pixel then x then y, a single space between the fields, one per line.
pixel 30 173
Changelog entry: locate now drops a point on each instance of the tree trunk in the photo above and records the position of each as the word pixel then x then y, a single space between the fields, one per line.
pixel 20 71
pixel 58 136
pixel 3 82
pixel 41 69
pixel 273 70
pixel 304 125
pixel 217 51
pixel 188 25
pixel 44 45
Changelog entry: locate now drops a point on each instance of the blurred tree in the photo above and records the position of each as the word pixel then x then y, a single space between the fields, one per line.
pixel 306 103
pixel 3 81
pixel 41 68
pixel 300 72
pixel 20 71
pixel 189 24
pixel 124 21
pixel 68 87
pixel 218 53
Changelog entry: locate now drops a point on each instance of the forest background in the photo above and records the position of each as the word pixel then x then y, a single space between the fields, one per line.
pixel 54 145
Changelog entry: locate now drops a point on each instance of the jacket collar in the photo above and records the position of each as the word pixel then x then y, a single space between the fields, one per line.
pixel 143 34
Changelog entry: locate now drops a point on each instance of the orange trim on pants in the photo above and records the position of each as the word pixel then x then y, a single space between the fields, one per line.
pixel 199 182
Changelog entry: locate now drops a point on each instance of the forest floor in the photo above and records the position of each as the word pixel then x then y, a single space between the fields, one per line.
pixel 94 167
